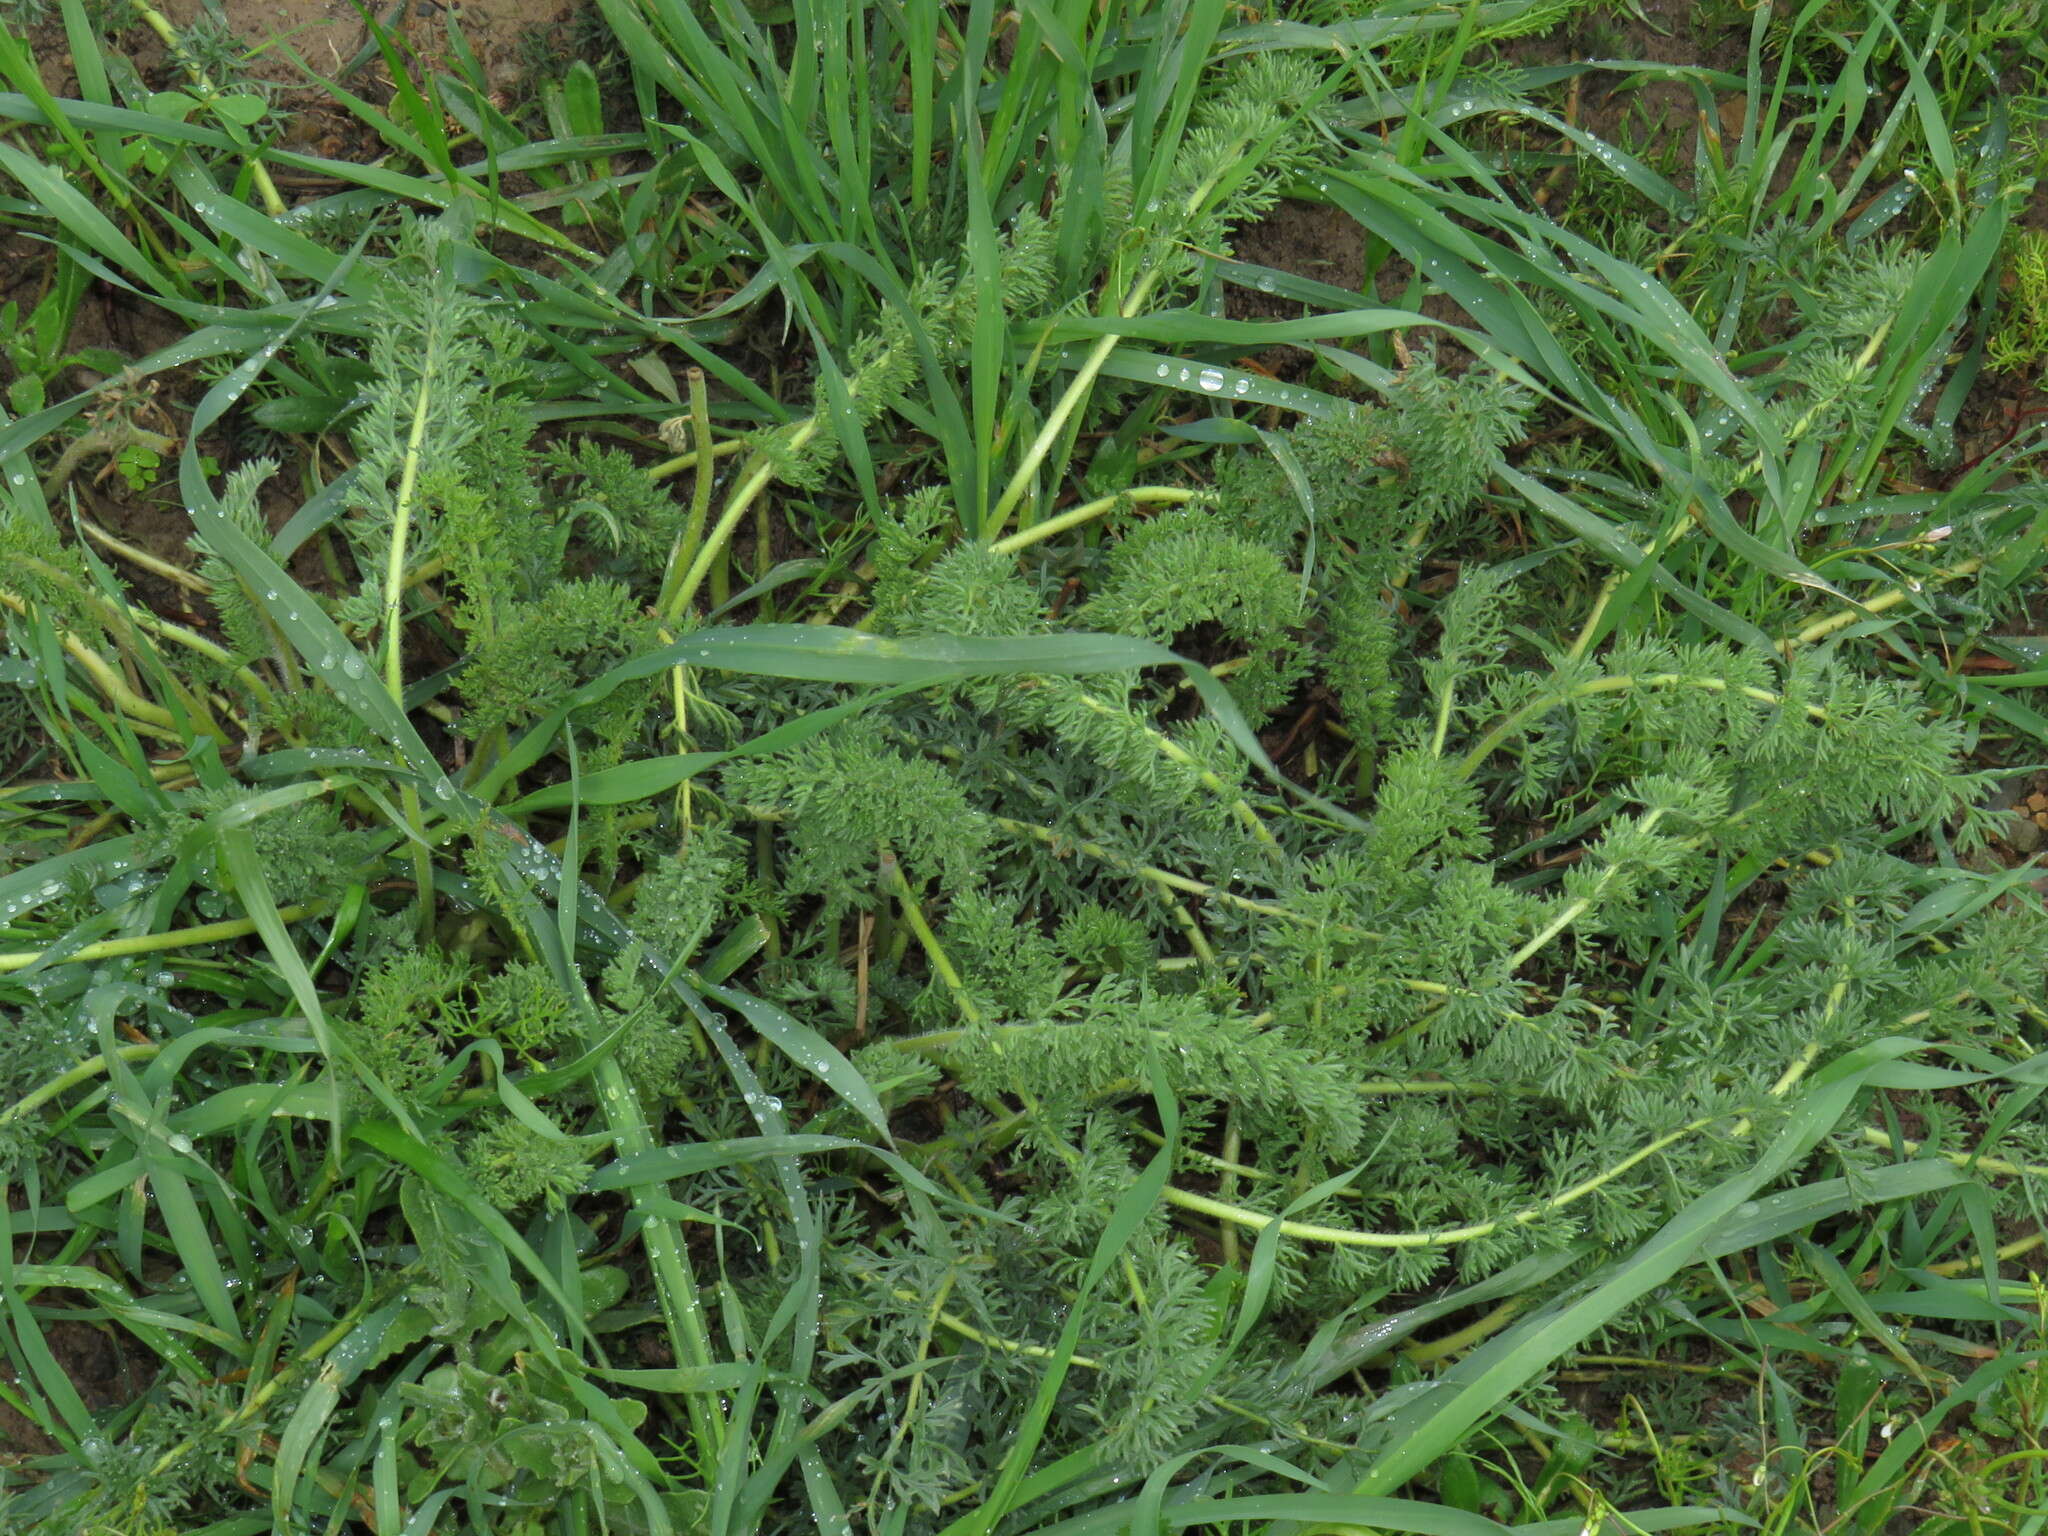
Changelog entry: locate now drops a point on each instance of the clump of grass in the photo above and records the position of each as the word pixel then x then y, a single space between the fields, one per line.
pixel 1010 921
pixel 2021 339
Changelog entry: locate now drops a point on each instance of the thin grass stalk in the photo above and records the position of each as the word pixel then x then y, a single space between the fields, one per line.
pixel 1079 387
pixel 755 480
pixel 156 943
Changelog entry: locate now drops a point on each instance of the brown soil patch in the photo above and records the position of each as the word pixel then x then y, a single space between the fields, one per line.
pixel 106 1374
pixel 330 34
pixel 1305 239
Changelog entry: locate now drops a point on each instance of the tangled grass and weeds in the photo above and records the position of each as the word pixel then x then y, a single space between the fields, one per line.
pixel 784 839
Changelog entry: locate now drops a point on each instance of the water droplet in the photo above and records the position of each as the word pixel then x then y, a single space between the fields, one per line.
pixel 1185 375
pixel 1211 380
pixel 1164 370
pixel 1242 385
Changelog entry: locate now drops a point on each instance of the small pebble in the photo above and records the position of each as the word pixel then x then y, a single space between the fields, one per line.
pixel 2024 833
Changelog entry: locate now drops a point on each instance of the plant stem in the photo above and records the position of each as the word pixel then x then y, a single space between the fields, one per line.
pixel 64 1082
pixel 1608 588
pixel 1877 1136
pixel 1074 517
pixel 700 489
pixel 1076 393
pixel 1174 752
pixel 752 483
pixel 683 461
pixel 1621 683
pixel 175 574
pixel 894 878
pixel 1429 1352
pixel 259 173
pixel 1576 909
pixel 394 598
pixel 401 530
pixel 1232 1148
pixel 1345 1237
pixel 1166 879
pixel 151 943
pixel 1820 629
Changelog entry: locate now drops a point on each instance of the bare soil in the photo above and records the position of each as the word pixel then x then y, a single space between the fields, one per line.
pixel 329 34
pixel 106 1374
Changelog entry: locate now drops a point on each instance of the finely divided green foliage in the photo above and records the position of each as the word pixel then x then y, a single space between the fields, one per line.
pixel 505 1047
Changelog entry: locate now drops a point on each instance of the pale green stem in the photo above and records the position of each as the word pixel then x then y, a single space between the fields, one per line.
pixel 1069 402
pixel 1160 877
pixel 150 943
pixel 202 646
pixel 1198 941
pixel 1429 1351
pixel 691 540
pixel 273 204
pixel 1621 683
pixel 1076 393
pixel 108 680
pixel 1878 1136
pixel 942 965
pixel 683 461
pixel 1345 1237
pixel 1820 629
pixel 124 621
pixel 755 481
pixel 64 1082
pixel 1348 1238
pixel 177 575
pixel 394 664
pixel 1232 1146
pixel 1576 909
pixel 1074 517
pixel 1174 752
pixel 1613 583
pixel 401 532
pixel 1443 720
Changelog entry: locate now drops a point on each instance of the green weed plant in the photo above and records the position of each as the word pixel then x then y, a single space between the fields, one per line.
pixel 1070 913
